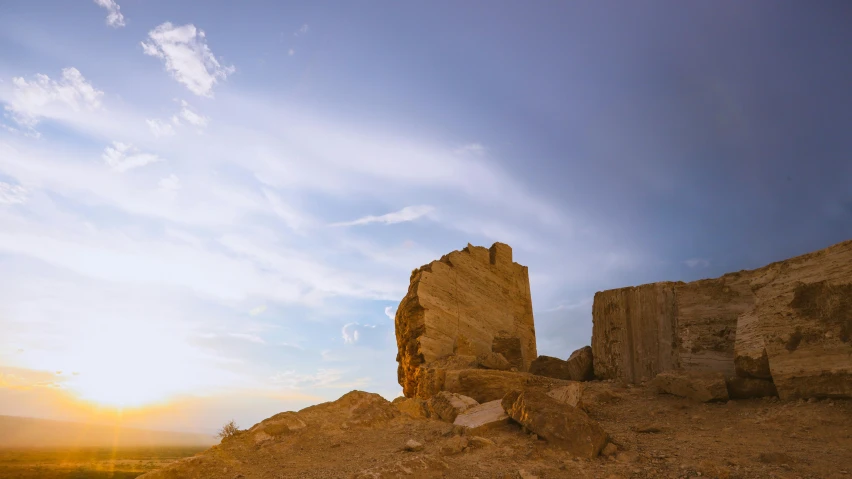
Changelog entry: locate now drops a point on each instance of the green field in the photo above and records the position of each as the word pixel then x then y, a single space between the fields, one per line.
pixel 101 463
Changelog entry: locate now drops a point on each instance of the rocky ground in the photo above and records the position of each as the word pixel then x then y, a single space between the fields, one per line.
pixel 653 435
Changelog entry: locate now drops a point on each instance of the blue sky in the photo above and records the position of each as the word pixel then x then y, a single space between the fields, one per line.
pixel 216 207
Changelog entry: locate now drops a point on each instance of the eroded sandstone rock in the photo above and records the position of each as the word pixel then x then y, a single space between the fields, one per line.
pixel 578 367
pixel 695 385
pixel 788 322
pixel 469 303
pixel 556 422
pixel 448 406
pixel 482 417
pixel 413 407
pixel 494 360
pixel 487 385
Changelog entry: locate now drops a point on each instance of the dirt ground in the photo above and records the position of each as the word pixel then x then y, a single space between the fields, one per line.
pixel 657 436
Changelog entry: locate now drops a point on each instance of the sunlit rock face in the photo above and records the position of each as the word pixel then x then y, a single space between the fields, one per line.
pixel 789 322
pixel 469 303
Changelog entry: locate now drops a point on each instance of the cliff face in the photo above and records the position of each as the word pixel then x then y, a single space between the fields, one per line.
pixel 789 321
pixel 468 303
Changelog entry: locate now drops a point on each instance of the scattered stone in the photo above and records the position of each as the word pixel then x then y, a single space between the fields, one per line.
pixel 492 360
pixel 609 450
pixel 483 417
pixel 748 388
pixel 698 386
pixel 476 442
pixel 413 446
pixel 567 427
pixel 526 475
pixel 454 445
pixel 448 406
pixel 648 429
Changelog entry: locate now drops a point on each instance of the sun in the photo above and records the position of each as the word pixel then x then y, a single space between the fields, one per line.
pixel 131 367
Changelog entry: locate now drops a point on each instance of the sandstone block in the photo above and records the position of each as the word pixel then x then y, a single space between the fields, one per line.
pixel 469 303
pixel 482 417
pixel 494 360
pixel 699 386
pixel 578 367
pixel 551 420
pixel 413 446
pixel 747 388
pixel 448 406
pixel 487 385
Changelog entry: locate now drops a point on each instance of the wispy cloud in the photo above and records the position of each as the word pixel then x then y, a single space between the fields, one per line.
pixel 471 148
pixel 697 263
pixel 390 312
pixel 190 116
pixel 187 57
pixel 122 157
pixel 409 213
pixel 160 127
pixel 12 194
pixel 252 338
pixel 258 310
pixel 31 100
pixel 114 17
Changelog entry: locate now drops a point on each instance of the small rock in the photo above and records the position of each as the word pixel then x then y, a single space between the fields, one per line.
pixel 492 360
pixel 609 450
pixel 648 429
pixel 526 475
pixel 454 445
pixel 413 446
pixel 477 442
pixel 448 406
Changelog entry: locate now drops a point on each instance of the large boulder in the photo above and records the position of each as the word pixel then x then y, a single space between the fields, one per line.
pixel 554 421
pixel 413 407
pixel 494 360
pixel 469 303
pixel 480 418
pixel 487 385
pixel 448 406
pixel 578 367
pixel 699 386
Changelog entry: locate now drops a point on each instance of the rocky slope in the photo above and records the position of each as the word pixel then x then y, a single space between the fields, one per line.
pixel 653 436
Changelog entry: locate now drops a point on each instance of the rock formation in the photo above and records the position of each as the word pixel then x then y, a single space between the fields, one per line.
pixel 469 303
pixel 789 322
pixel 578 367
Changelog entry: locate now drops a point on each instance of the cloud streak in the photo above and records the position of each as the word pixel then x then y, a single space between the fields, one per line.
pixel 187 57
pixel 409 213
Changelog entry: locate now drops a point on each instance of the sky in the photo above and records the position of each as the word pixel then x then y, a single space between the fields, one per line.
pixel 211 210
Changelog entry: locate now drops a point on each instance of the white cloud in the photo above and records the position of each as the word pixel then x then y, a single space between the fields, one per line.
pixel 258 310
pixel 190 116
pixel 32 100
pixel 291 52
pixel 12 194
pixel 302 30
pixel 697 263
pixel 187 57
pixel 122 157
pixel 114 18
pixel 350 333
pixel 390 312
pixel 409 213
pixel 160 128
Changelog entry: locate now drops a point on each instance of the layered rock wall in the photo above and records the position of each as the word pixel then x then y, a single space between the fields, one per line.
pixel 790 321
pixel 469 303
